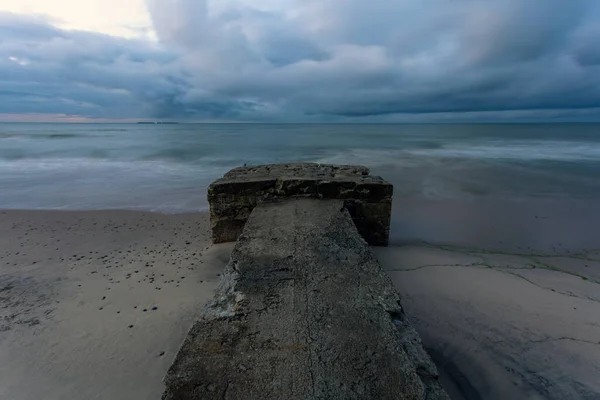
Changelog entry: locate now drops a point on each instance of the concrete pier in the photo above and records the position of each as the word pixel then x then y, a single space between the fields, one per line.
pixel 367 198
pixel 303 311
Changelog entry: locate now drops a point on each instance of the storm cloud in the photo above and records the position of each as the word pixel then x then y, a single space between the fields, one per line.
pixel 313 60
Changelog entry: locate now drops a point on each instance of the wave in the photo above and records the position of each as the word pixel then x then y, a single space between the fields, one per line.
pixel 49 135
pixel 41 135
pixel 532 150
pixel 516 151
pixel 48 166
pixel 176 154
pixel 102 184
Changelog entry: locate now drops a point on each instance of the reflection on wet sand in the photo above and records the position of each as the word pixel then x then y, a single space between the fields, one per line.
pixel 508 301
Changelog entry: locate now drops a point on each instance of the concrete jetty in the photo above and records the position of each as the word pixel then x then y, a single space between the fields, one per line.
pixel 367 198
pixel 303 311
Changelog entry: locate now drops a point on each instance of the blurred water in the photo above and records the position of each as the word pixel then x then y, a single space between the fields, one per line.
pixel 168 167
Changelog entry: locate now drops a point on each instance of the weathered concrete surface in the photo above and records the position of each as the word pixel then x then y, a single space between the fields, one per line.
pixel 367 198
pixel 303 311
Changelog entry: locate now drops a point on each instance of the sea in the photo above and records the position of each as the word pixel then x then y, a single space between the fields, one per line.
pixel 526 187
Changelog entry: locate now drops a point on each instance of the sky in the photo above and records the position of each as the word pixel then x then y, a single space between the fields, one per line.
pixel 300 60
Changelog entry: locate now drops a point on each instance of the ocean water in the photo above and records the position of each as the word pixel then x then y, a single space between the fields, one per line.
pixel 501 168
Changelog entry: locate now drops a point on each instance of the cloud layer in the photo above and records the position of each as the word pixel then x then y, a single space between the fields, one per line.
pixel 313 60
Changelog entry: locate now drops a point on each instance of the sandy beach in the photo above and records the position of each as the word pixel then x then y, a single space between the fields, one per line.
pixel 95 304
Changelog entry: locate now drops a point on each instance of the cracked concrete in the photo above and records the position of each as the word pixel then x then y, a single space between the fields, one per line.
pixel 503 325
pixel 304 311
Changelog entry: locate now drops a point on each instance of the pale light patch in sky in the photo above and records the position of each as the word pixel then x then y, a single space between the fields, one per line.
pixel 18 60
pixel 127 18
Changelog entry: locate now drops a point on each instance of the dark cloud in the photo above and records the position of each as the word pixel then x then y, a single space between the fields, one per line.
pixel 44 69
pixel 313 60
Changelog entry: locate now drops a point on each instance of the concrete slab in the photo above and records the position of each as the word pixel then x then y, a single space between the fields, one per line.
pixel 303 311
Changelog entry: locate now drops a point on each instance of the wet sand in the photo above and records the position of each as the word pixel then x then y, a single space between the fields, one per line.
pixel 505 294
pixel 504 326
pixel 95 305
pixel 513 317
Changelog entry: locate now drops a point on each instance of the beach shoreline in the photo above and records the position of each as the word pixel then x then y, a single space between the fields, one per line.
pixel 78 291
